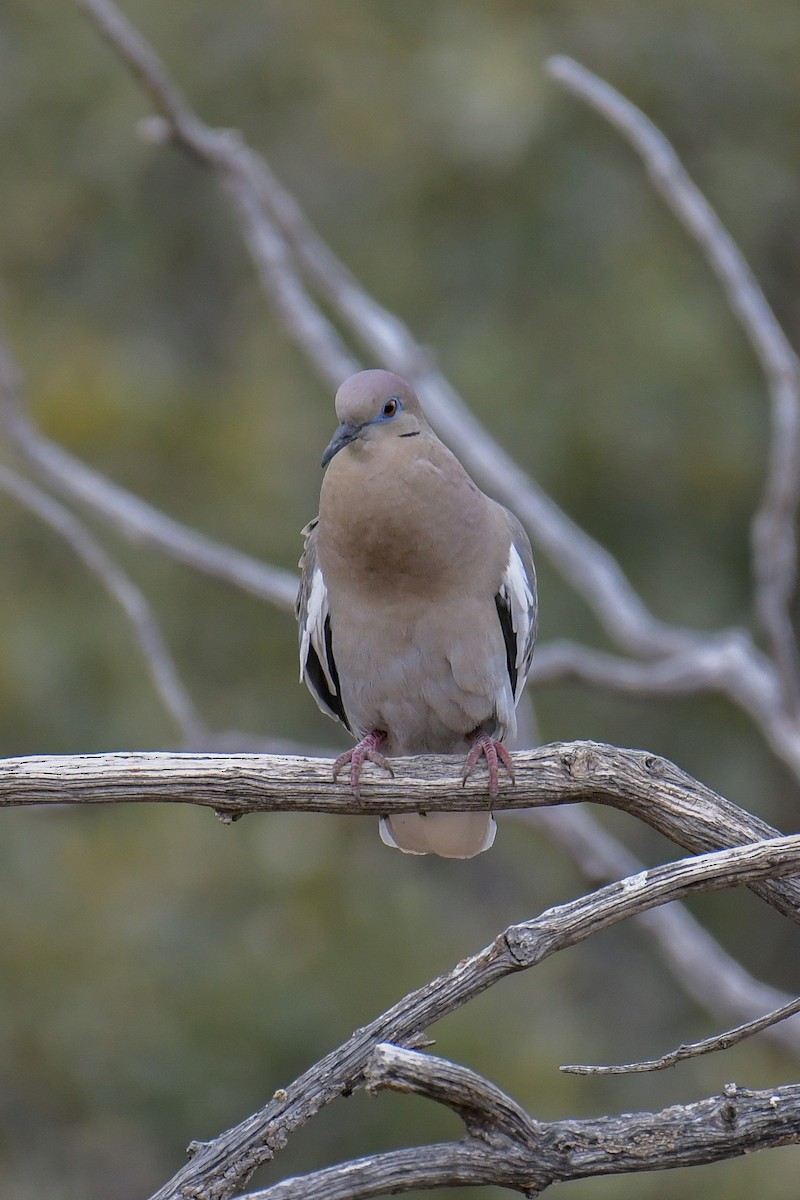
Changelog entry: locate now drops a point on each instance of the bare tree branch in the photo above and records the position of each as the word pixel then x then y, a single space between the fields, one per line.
pixel 223 1165
pixel 507 1147
pixel 131 600
pixel 701 668
pixel 705 971
pixel 448 1164
pixel 482 1106
pixel 709 1045
pixel 774 542
pixel 279 279
pixel 641 784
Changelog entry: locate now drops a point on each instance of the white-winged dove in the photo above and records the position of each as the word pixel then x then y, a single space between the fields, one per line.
pixel 417 605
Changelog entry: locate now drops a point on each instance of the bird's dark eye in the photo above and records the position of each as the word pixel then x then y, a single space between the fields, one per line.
pixel 390 407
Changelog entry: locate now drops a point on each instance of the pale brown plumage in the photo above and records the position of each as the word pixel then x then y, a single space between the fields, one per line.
pixel 417 604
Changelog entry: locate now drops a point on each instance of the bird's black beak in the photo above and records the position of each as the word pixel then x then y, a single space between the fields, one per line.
pixel 344 435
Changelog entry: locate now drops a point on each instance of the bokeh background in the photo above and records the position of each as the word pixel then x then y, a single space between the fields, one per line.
pixel 161 975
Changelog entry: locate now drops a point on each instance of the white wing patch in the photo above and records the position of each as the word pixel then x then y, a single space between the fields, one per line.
pixel 518 589
pixel 317 667
pixel 313 631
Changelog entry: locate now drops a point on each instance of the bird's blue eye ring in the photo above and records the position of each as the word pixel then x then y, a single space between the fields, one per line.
pixel 391 406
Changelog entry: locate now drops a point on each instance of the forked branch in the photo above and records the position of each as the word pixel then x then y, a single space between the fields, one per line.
pixel 507 1147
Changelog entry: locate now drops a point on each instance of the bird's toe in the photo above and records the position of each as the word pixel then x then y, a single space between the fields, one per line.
pixel 365 750
pixel 495 753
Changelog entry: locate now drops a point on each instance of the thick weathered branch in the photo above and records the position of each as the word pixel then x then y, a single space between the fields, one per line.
pixel 642 784
pixel 506 1147
pixel 484 1108
pixel 220 1167
pixel 447 1164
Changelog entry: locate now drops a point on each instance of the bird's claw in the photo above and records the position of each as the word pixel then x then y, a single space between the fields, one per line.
pixel 366 749
pixel 495 753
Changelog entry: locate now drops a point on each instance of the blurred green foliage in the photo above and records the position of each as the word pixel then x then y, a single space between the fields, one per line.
pixel 160 975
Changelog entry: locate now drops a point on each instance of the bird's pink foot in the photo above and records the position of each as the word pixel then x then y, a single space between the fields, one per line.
pixel 367 748
pixel 495 753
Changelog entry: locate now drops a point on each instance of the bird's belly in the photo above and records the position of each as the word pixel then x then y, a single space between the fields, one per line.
pixel 423 681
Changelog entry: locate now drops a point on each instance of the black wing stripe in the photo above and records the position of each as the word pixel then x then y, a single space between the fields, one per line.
pixel 316 677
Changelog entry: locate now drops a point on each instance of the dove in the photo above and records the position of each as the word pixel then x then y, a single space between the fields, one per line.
pixel 417 606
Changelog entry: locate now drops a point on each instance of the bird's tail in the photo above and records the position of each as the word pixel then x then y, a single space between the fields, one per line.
pixel 450 835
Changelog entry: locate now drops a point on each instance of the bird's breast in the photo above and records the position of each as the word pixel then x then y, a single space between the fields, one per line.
pixel 393 528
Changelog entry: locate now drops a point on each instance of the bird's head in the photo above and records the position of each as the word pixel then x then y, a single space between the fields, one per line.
pixel 372 406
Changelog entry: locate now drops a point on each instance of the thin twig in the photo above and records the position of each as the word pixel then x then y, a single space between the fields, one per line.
pixel 709 1045
pixel 774 541
pixel 279 280
pixel 128 596
pixel 245 176
pixel 700 668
